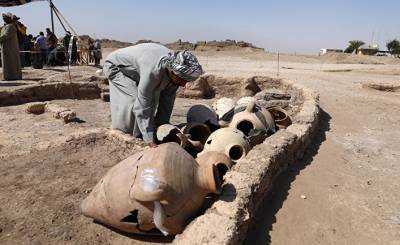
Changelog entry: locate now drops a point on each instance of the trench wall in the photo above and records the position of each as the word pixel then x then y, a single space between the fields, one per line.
pixel 251 179
pixel 50 91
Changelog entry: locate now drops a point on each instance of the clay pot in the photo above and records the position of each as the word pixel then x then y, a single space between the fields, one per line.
pixel 202 114
pixel 229 141
pixel 223 105
pixel 198 132
pixel 169 133
pixel 255 122
pixel 281 117
pixel 162 187
pixel 221 161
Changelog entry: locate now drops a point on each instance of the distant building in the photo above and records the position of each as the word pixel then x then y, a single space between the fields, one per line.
pixel 383 53
pixel 368 50
pixel 328 50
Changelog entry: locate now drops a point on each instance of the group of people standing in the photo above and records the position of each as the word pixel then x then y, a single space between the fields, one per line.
pixel 21 50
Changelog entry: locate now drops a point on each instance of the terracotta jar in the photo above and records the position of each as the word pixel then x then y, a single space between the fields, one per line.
pixel 162 188
pixel 229 141
pixel 221 161
pixel 281 117
pixel 255 122
pixel 198 132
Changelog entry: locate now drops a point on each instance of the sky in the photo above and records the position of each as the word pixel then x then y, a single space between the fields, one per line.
pixel 290 26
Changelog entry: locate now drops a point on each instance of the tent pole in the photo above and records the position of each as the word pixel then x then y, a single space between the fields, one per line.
pixel 52 15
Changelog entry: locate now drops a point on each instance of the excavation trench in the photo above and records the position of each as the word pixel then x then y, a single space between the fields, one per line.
pixel 47 185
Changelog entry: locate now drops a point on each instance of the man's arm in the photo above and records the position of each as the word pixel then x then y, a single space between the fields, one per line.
pixel 166 104
pixel 144 105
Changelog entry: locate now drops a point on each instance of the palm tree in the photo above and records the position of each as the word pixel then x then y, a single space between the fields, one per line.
pixel 354 45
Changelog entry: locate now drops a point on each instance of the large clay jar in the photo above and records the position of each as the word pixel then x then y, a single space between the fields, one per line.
pixel 281 117
pixel 255 122
pixel 229 141
pixel 160 188
pixel 221 161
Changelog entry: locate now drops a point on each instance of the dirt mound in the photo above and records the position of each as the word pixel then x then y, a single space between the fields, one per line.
pixel 227 45
pixel 342 58
pixel 387 87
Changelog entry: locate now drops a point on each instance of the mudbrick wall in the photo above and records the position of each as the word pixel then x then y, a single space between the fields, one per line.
pixel 50 91
pixel 250 181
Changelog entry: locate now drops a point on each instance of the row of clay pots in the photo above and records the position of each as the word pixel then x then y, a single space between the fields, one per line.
pixel 161 189
pixel 157 190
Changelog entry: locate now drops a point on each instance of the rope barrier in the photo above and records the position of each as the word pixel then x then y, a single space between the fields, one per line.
pixel 78 51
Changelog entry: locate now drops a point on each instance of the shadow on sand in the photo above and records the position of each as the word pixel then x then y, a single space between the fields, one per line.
pixel 259 230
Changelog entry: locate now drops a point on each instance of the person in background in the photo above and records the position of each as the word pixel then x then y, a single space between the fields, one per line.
pixel 91 49
pixel 57 56
pixel 21 35
pixel 9 49
pixel 74 50
pixel 42 46
pixel 97 52
pixel 66 40
pixel 51 40
pixel 143 81
pixel 28 46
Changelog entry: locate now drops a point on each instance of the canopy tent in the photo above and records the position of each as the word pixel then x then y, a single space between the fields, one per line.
pixel 53 11
pixel 11 3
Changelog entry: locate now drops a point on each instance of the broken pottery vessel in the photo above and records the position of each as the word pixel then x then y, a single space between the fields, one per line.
pixel 160 188
pixel 255 122
pixel 170 133
pixel 229 141
pixel 221 161
pixel 198 132
pixel 281 117
pixel 191 137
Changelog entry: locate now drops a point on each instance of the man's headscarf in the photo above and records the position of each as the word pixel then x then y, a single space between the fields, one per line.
pixel 7 14
pixel 184 64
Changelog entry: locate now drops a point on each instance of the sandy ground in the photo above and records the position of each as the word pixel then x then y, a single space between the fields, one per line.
pixel 348 180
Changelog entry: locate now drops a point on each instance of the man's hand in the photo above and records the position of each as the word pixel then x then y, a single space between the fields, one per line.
pixel 152 145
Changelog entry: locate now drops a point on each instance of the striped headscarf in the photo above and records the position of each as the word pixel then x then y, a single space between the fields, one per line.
pixel 184 64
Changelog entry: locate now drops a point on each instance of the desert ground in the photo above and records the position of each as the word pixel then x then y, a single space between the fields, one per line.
pixel 344 191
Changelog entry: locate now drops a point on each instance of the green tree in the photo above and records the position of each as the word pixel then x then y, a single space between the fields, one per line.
pixel 354 45
pixel 394 47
